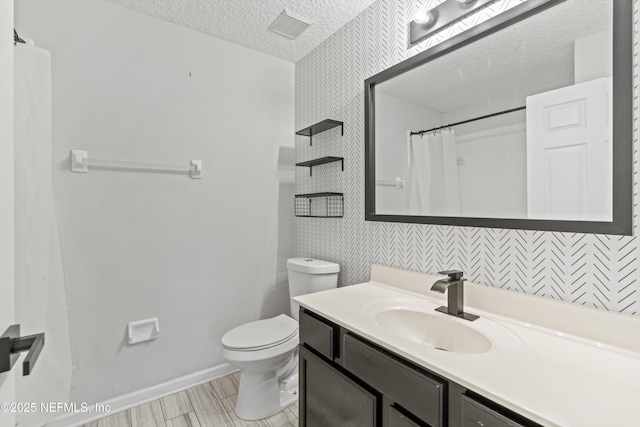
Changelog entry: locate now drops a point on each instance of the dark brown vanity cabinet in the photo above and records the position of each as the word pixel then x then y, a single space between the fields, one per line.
pixel 406 386
pixel 394 418
pixel 330 398
pixel 475 414
pixel 347 381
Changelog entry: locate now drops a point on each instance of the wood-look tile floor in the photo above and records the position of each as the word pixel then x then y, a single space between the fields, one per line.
pixel 206 405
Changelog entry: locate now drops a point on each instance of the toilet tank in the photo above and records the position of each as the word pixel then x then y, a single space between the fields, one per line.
pixel 308 275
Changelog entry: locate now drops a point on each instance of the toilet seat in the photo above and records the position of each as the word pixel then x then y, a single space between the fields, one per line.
pixel 261 334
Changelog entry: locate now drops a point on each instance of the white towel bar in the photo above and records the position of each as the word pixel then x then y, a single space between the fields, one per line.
pixel 398 183
pixel 80 162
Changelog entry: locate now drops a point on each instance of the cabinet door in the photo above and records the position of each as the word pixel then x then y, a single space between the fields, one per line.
pixel 329 399
pixel 396 418
pixel 419 394
pixel 475 414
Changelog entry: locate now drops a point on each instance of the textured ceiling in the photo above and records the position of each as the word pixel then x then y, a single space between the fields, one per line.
pixel 245 22
pixel 530 57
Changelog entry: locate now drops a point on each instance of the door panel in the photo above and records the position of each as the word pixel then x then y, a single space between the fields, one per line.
pixel 569 153
pixel 7 290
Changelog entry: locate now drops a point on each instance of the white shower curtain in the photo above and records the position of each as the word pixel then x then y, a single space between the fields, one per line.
pixel 41 303
pixel 432 187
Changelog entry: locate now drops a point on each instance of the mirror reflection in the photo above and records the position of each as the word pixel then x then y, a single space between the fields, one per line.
pixel 515 125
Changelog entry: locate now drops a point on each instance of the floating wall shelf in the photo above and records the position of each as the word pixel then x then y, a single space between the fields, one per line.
pixel 321 161
pixel 321 127
pixel 319 205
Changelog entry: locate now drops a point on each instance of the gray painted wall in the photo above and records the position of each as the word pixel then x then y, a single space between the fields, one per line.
pixel 202 255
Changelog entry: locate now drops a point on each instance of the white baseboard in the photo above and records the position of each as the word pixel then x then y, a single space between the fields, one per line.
pixel 139 397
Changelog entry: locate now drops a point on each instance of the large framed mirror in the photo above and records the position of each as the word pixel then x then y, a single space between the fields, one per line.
pixel 522 122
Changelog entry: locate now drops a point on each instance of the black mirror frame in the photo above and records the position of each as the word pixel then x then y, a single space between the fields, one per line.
pixel 622 223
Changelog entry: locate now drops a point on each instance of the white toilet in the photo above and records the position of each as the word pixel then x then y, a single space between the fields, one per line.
pixel 266 351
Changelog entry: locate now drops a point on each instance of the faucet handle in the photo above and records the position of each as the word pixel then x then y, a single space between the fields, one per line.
pixel 454 275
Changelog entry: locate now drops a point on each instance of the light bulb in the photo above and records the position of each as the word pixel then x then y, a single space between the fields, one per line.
pixel 423 17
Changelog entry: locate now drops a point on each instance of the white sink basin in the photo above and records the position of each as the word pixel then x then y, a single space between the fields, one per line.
pixel 439 331
pixel 415 321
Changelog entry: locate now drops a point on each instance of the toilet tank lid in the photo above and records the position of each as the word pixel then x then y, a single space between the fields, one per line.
pixel 312 266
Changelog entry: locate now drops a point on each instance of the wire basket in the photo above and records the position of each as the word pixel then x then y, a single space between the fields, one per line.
pixel 319 205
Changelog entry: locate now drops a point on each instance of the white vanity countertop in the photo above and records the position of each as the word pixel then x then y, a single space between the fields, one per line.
pixel 550 377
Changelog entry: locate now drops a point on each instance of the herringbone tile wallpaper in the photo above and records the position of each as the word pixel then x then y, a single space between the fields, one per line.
pixel 594 270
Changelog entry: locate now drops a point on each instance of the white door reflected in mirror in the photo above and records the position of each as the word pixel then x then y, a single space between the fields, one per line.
pixel 569 153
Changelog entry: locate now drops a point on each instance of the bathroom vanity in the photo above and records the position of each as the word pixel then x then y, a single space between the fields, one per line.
pixel 378 354
pixel 358 383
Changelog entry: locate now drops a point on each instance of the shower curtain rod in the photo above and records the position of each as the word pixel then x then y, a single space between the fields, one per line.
pixel 499 113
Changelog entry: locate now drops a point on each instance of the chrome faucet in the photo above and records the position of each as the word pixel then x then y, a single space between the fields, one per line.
pixel 455 297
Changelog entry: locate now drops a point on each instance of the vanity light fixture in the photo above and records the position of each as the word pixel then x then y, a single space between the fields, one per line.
pixel 427 22
pixel 424 17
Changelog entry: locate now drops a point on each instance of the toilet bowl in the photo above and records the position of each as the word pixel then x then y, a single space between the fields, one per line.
pixel 266 351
